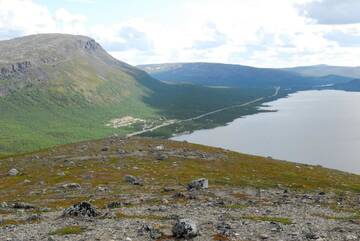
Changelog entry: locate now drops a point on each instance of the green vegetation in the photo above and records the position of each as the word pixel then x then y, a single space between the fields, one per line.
pixel 37 119
pixel 68 230
pixel 236 206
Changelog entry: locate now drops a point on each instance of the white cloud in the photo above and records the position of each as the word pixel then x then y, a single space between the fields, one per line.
pixel 333 11
pixel 253 32
pixel 68 22
pixel 22 16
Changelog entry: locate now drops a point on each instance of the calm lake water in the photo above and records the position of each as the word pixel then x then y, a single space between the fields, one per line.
pixel 313 127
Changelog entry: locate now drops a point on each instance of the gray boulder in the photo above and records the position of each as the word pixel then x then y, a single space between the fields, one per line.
pixel 161 157
pixel 71 186
pixel 83 209
pixel 185 228
pixel 22 205
pixel 201 183
pixel 159 148
pixel 133 180
pixel 13 172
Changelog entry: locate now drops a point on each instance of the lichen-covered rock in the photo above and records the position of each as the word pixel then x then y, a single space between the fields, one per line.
pixel 13 172
pixel 185 228
pixel 200 183
pixel 71 186
pixel 133 180
pixel 34 218
pixel 159 148
pixel 83 209
pixel 22 205
pixel 224 228
pixel 161 157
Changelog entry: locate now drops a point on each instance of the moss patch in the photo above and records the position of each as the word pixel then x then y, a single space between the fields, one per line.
pixel 68 230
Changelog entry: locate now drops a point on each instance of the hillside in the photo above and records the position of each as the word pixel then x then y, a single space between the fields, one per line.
pixel 57 89
pixel 213 74
pixel 140 189
pixel 353 85
pixel 325 70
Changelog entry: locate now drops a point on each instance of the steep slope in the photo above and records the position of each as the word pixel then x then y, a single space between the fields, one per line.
pixel 213 74
pixel 58 88
pixel 324 70
pixel 60 63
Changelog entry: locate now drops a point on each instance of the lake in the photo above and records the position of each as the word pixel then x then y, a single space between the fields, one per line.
pixel 313 127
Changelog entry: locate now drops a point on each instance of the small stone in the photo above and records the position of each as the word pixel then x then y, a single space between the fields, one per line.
pixel 311 236
pixel 3 205
pixel 351 237
pixel 33 218
pixel 161 157
pixel 133 180
pixel 153 232
pixel 105 148
pixel 185 228
pixel 201 183
pixel 26 181
pixel 168 189
pixel 115 205
pixel 264 236
pixel 71 186
pixel 224 228
pixel 13 172
pixel 159 148
pixel 21 205
pixel 102 189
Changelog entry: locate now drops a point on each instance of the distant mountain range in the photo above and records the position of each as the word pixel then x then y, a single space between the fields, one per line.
pixel 214 74
pixel 325 70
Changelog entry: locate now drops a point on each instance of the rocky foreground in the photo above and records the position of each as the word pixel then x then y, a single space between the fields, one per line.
pixel 142 189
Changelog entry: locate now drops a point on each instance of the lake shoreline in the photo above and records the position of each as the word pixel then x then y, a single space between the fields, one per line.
pixel 298 146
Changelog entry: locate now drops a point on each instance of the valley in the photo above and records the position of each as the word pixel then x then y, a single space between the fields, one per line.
pixel 179 120
pixel 48 104
pixel 76 93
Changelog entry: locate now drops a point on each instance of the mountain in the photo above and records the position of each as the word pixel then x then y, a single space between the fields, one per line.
pixel 214 74
pixel 353 85
pixel 324 70
pixel 58 88
pixel 65 63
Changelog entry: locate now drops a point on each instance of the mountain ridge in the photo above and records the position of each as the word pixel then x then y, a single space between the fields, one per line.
pixel 232 75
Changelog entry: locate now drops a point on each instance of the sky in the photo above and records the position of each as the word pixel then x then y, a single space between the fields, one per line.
pixel 263 33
